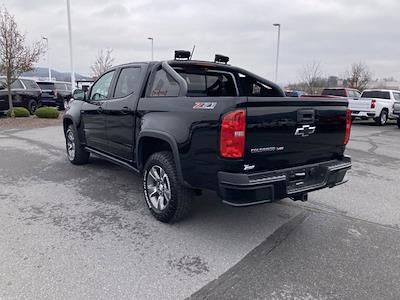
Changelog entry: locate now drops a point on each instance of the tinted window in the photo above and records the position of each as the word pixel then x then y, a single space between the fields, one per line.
pixel 46 86
pixel 128 82
pixel 209 84
pixel 164 85
pixel 396 96
pixel 30 84
pixel 251 87
pixel 376 94
pixel 101 88
pixel 334 92
pixel 60 86
pixel 17 85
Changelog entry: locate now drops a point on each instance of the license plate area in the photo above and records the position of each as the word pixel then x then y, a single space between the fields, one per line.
pixel 305 177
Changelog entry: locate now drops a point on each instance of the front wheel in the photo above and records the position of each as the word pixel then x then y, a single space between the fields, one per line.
pixel 168 200
pixel 76 154
pixel 382 119
pixel 32 106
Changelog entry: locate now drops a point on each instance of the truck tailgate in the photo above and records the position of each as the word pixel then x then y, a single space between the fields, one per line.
pixel 285 132
pixel 360 105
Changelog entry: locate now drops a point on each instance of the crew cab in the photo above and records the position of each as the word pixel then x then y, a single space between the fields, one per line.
pixel 55 93
pixel 24 92
pixel 188 126
pixel 375 104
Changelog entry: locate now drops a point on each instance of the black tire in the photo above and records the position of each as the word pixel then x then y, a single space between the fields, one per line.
pixel 180 197
pixel 398 122
pixel 32 106
pixel 80 156
pixel 383 118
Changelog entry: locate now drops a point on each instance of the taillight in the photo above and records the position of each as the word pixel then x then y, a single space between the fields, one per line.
pixel 373 103
pixel 348 127
pixel 232 138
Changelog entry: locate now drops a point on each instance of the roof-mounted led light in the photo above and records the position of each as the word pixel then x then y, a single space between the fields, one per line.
pixel 182 55
pixel 221 59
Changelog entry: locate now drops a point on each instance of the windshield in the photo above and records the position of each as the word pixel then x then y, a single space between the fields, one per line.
pixel 46 86
pixel 376 94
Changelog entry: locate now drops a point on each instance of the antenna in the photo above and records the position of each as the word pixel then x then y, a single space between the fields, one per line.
pixel 194 47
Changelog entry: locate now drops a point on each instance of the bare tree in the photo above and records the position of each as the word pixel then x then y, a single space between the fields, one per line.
pixel 311 75
pixel 15 56
pixel 358 76
pixel 103 62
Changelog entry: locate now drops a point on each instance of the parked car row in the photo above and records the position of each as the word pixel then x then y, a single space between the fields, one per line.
pixel 376 104
pixel 32 94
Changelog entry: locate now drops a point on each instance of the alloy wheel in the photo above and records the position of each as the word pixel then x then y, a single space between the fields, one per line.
pixel 70 145
pixel 158 187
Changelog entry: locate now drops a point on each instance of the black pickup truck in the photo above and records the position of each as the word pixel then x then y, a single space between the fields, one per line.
pixel 189 126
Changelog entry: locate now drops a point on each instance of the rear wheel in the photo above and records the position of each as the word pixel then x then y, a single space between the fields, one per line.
pixel 168 200
pixel 32 106
pixel 75 152
pixel 382 119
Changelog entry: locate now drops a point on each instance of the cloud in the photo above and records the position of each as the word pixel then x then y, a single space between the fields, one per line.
pixel 334 32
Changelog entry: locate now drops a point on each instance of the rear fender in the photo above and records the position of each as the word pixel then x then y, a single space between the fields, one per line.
pixel 166 137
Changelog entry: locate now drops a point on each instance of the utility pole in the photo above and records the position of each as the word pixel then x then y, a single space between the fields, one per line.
pixel 152 47
pixel 48 55
pixel 277 51
pixel 71 56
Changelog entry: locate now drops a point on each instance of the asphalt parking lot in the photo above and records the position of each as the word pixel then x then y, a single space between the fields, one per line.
pixel 73 232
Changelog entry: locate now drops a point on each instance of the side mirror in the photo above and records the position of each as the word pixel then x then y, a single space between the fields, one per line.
pixel 79 95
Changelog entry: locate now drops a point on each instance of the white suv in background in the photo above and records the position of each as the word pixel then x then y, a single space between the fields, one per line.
pixel 376 104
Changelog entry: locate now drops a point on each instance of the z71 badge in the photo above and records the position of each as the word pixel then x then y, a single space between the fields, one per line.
pixel 204 105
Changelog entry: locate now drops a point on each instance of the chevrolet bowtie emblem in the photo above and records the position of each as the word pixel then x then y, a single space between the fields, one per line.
pixel 305 130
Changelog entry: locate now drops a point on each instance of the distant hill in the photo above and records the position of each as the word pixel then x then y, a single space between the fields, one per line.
pixel 59 76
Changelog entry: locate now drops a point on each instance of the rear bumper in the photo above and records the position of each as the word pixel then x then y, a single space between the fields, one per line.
pixel 48 102
pixel 366 114
pixel 239 189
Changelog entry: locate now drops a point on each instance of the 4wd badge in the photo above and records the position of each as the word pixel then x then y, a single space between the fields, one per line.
pixel 204 105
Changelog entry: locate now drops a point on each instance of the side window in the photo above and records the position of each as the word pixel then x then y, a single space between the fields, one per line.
pixel 30 84
pixel 60 86
pixel 128 82
pixel 251 87
pixel 164 85
pixel 396 96
pixel 101 88
pixel 17 85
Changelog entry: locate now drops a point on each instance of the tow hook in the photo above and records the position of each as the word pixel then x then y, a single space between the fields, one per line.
pixel 300 197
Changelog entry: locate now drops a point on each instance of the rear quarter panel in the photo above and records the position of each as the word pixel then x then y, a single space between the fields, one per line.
pixel 195 131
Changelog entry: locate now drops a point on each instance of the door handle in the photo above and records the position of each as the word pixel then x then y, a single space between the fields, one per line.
pixel 305 116
pixel 126 110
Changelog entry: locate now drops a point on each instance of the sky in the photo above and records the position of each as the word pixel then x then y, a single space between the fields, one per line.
pixel 335 33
